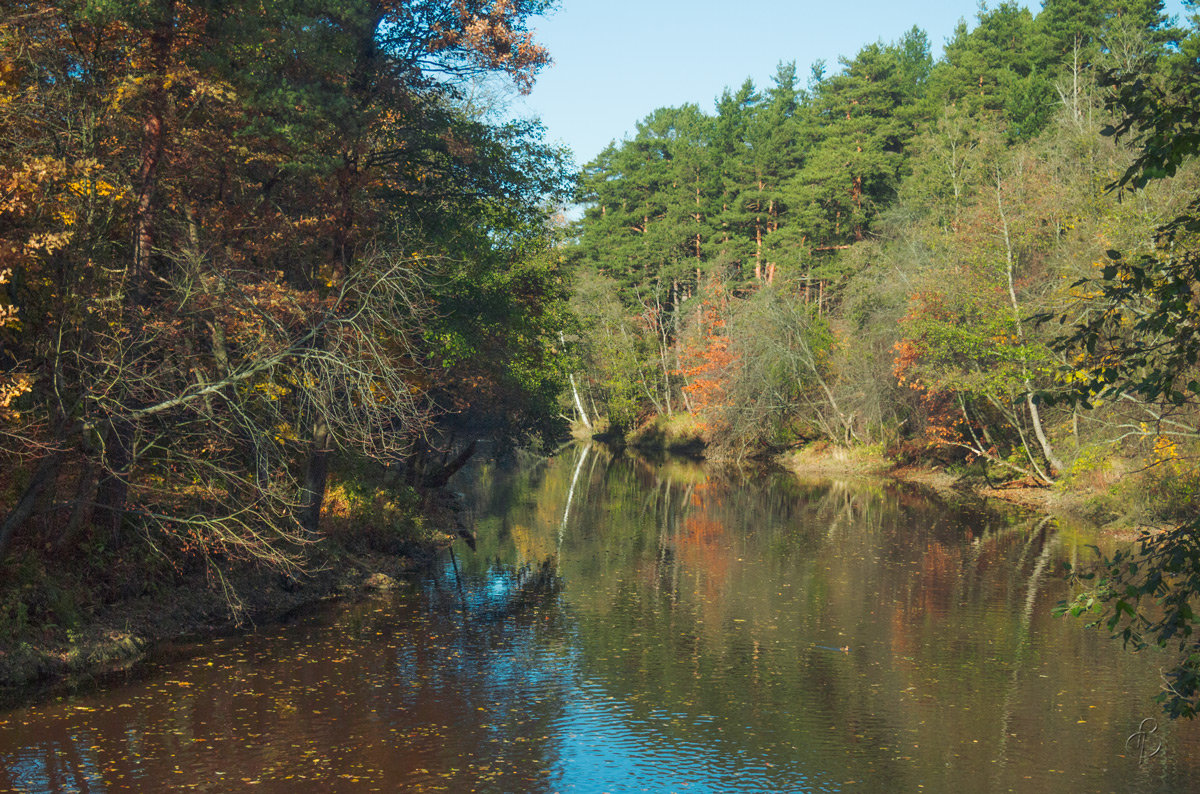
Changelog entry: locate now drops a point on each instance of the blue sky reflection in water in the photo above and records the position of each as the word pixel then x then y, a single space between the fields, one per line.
pixel 596 740
pixel 680 630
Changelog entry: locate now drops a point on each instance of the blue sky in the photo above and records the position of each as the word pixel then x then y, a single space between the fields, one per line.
pixel 617 60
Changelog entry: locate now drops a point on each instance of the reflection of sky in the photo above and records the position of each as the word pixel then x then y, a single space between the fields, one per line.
pixel 28 773
pixel 598 741
pixel 56 767
pixel 601 747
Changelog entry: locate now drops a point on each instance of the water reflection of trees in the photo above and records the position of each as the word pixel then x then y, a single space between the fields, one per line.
pixel 728 592
pixel 700 612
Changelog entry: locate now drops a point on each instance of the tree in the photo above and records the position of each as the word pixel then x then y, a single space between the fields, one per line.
pixel 227 229
pixel 947 160
pixel 707 361
pixel 651 226
pixel 996 68
pixel 732 151
pixel 1066 27
pixel 966 346
pixel 867 117
pixel 612 354
pixel 1139 336
pixel 648 215
pixel 781 386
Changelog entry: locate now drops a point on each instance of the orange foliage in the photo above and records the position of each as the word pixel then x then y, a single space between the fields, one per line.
pixel 944 421
pixel 702 545
pixel 491 36
pixel 707 361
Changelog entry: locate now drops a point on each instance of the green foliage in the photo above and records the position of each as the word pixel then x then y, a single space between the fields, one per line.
pixel 1138 339
pixel 22 577
pixel 949 164
pixel 42 597
pixel 495 335
pixel 1090 461
pixel 1145 596
pixel 368 510
pixel 1066 27
pixel 866 117
pixel 984 67
pixel 1167 492
pixel 1139 335
pixel 650 203
pixel 612 351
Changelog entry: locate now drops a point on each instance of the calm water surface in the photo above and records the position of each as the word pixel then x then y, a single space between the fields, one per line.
pixel 625 626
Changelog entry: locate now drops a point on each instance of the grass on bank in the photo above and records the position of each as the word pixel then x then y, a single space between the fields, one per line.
pixel 680 433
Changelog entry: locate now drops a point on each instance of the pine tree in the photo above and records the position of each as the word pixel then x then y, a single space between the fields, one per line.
pixel 735 239
pixel 996 68
pixel 867 116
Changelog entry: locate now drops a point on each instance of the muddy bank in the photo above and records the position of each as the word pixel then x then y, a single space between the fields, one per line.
pixel 201 605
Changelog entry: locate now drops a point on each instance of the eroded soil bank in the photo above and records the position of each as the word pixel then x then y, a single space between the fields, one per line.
pixel 207 601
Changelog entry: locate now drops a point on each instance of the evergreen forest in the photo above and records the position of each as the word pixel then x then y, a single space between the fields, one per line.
pixel 896 252
pixel 984 260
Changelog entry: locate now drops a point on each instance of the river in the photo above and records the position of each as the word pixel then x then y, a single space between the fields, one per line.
pixel 634 626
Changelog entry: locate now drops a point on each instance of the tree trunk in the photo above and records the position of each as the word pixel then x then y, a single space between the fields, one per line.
pixel 1035 418
pixel 583 417
pixel 663 347
pixel 442 476
pixel 316 476
pixel 153 146
pixel 83 497
pixel 757 249
pixel 113 488
pixel 45 474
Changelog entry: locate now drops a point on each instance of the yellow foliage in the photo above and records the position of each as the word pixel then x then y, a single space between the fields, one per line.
pixel 12 387
pixel 271 390
pixel 8 314
pixel 285 432
pixel 1166 452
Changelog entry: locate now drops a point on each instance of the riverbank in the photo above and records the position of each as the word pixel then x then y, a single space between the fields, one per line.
pixel 1121 496
pixel 1089 501
pixel 234 598
pixel 1020 492
pixel 200 602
